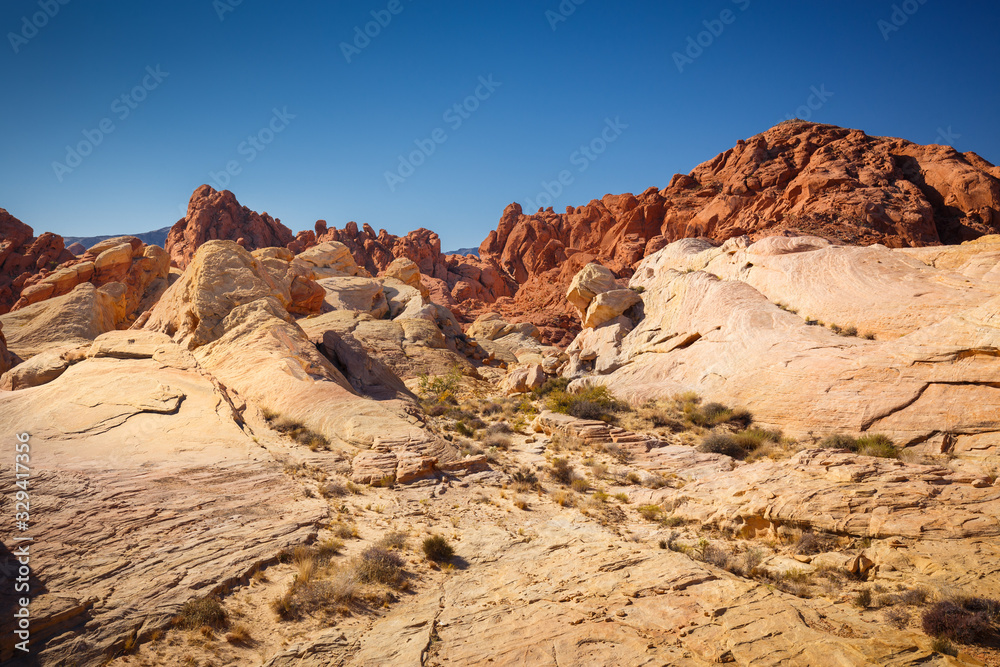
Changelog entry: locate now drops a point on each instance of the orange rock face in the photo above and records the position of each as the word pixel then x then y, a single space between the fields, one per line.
pixel 217 216
pixel 22 255
pixel 827 181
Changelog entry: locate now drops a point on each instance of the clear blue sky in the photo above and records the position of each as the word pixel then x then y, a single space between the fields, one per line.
pixel 225 77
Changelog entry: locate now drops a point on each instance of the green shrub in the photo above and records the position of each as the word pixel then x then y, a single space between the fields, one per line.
pixel 650 512
pixel 551 385
pixel 442 388
pixel 436 548
pixel 713 414
pixel 877 445
pixel 590 403
pixel 874 444
pixel 752 438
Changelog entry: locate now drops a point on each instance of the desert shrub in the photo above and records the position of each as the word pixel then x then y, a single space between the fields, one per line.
pixel 897 618
pixel 580 485
pixel 914 597
pixel 839 441
pixel 436 548
pixel 497 440
pixel 868 335
pixel 650 512
pixel 810 543
pixel 344 530
pixel 943 646
pixel 562 471
pixel 877 445
pixel 967 621
pixel 204 612
pixel 333 490
pixel 377 564
pixel 499 428
pixel 525 476
pixel 752 438
pixel 436 410
pixel 863 598
pixel 490 408
pixel 240 634
pixel 590 403
pixel 551 385
pixel 393 540
pixel 618 453
pixel 722 443
pixel 442 388
pixel 872 444
pixel 850 330
pixel 284 605
pixel 713 414
pixel 464 429
pixel 563 498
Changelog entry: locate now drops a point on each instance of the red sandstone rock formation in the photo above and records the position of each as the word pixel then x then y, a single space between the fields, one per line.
pixel 213 215
pixel 22 255
pixel 816 179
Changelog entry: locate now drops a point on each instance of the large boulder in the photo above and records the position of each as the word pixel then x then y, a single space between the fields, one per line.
pixel 74 318
pixel 593 279
pixel 607 306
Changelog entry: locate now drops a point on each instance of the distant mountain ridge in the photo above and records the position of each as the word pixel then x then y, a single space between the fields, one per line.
pixel 155 237
pixel 462 251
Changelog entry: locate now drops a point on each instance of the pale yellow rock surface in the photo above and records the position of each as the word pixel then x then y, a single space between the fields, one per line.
pixel 145 493
pixel 330 259
pixel 726 341
pixel 591 280
pixel 608 305
pixel 74 318
pixel 363 295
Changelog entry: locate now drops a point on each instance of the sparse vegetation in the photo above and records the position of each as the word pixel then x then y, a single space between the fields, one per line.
pixel 874 444
pixel 377 564
pixel 591 403
pixel 436 548
pixel 966 620
pixel 196 614
pixel 561 470
pixel 296 430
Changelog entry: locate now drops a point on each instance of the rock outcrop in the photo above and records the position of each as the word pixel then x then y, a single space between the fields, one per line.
pixel 217 216
pixel 719 332
pixel 72 319
pixel 802 177
pixel 22 256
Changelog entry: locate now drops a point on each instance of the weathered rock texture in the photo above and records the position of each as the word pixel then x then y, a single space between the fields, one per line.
pixel 22 256
pixel 928 379
pixel 148 493
pixel 212 216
